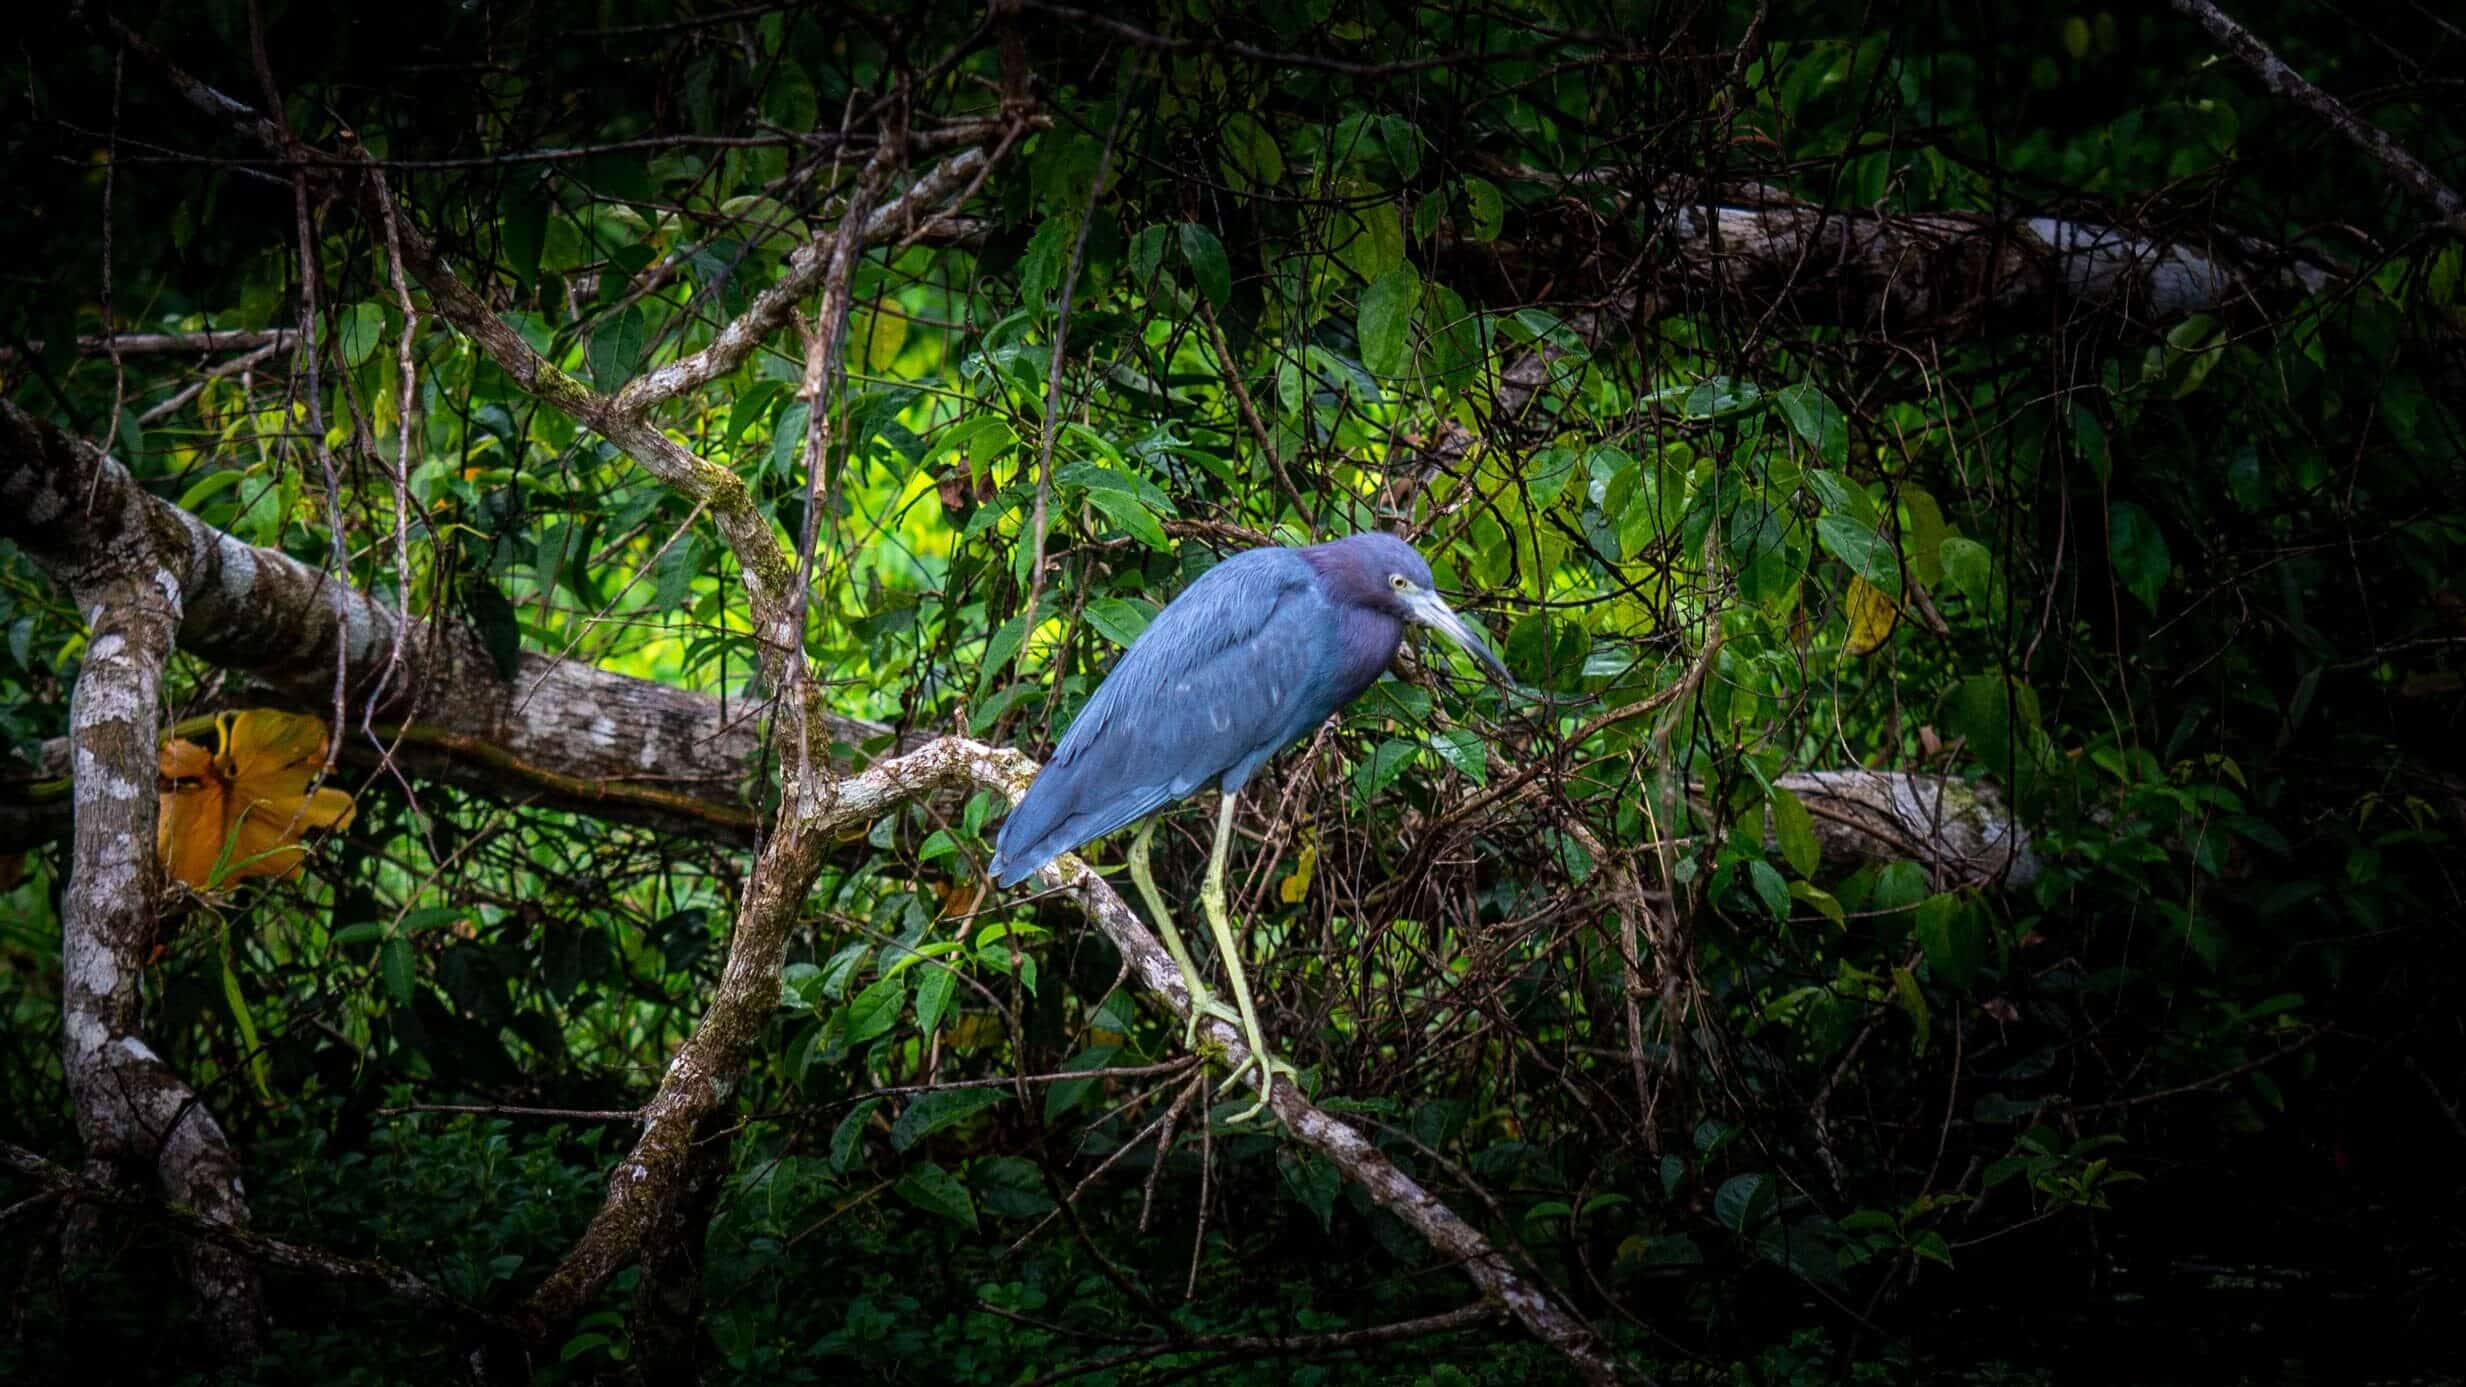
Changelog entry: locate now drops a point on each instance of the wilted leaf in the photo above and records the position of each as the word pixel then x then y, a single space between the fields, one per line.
pixel 1295 889
pixel 1872 616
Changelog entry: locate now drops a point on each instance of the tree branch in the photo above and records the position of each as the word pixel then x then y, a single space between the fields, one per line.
pixel 2279 76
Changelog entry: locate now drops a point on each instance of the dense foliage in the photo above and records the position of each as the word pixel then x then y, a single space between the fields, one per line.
pixel 2178 591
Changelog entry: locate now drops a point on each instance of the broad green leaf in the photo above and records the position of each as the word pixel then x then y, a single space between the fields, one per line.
pixel 1010 1187
pixel 1131 514
pixel 1208 267
pixel 1118 619
pixel 1795 828
pixel 1968 568
pixel 1062 1096
pixel 1953 937
pixel 876 1009
pixel 1386 323
pixel 1815 418
pixel 1869 555
pixel 850 1132
pixel 1913 1001
pixel 1743 1201
pixel 934 988
pixel 1042 265
pixel 936 1191
pixel 931 1112
pixel 357 332
pixel 616 349
pixel 1369 235
pixel 880 336
pixel 1485 209
pixel 1769 887
pixel 2139 552
pixel 1463 748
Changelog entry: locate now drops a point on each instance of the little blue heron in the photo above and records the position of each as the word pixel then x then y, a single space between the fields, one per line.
pixel 1248 660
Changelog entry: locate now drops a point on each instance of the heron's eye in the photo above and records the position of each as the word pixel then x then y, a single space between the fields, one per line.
pixel 1397 581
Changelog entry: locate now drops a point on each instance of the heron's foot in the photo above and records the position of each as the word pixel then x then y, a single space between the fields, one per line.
pixel 1268 1067
pixel 1203 1003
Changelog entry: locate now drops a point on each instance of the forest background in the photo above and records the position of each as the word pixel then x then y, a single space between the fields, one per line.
pixel 537 542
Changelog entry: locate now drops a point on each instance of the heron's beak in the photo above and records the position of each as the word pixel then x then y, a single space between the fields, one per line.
pixel 1426 608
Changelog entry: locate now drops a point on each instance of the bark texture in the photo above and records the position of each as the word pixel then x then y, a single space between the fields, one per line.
pixel 135 1115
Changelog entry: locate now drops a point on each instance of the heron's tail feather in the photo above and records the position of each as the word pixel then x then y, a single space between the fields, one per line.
pixel 1056 817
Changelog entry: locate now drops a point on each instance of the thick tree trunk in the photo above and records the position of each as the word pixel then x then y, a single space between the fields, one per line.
pixel 133 1112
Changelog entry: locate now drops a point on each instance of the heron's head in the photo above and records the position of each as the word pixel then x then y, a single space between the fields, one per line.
pixel 1392 577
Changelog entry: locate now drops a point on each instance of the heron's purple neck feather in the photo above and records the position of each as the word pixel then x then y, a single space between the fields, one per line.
pixel 1353 576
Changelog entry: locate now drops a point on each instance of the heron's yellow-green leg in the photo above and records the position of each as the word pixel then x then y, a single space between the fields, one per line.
pixel 1212 897
pixel 1202 999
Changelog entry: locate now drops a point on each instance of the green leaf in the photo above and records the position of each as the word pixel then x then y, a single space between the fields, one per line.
pixel 1061 1097
pixel 357 331
pixel 1205 256
pixel 1118 619
pixel 1485 209
pixel 675 573
pixel 931 1112
pixel 876 1009
pixel 1869 555
pixel 1744 1201
pixel 207 486
pixel 1386 322
pixel 500 631
pixel 1251 158
pixel 1795 827
pixel 936 1191
pixel 1386 762
pixel 616 349
pixel 1129 512
pixel 1969 568
pixel 394 960
pixel 1370 237
pixel 2139 552
pixel 1041 266
pixel 788 436
pixel 1463 748
pixel 1953 937
pixel 1010 1186
pixel 1769 887
pixel 1312 1179
pixel 1823 901
pixel 1816 419
pixel 1905 987
pixel 999 648
pixel 850 1132
pixel 523 222
pixel 934 987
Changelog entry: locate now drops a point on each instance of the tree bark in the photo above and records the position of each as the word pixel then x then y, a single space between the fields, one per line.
pixel 133 1112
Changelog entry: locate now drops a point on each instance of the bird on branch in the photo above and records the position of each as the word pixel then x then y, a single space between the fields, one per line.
pixel 1250 658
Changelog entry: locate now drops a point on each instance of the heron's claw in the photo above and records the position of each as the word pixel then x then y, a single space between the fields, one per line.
pixel 1269 1066
pixel 1203 1002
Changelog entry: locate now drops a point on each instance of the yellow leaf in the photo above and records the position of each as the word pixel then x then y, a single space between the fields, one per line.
pixel 240 810
pixel 1295 889
pixel 882 334
pixel 1872 616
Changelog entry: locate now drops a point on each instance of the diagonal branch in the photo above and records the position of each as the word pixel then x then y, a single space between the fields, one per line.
pixel 2280 76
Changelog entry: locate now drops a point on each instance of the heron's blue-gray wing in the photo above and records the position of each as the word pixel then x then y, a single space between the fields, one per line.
pixel 1223 678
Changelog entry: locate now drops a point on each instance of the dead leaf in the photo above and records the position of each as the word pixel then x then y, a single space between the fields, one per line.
pixel 239 810
pixel 1872 616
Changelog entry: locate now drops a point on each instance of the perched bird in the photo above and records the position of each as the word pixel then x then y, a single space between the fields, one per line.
pixel 1249 659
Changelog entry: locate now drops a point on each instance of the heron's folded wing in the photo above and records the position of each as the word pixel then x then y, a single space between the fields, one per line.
pixel 1220 679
